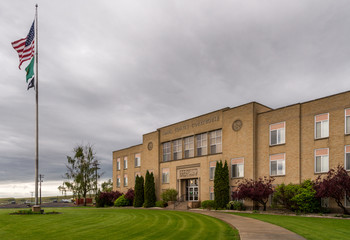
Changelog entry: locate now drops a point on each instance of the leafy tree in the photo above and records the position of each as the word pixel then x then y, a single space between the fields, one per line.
pixel 150 191
pixel 336 185
pixel 139 192
pixel 107 186
pixel 258 190
pixel 81 176
pixel 221 185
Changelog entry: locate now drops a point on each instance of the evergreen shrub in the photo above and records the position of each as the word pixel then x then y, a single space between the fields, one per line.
pixel 121 201
pixel 169 195
pixel 161 204
pixel 208 204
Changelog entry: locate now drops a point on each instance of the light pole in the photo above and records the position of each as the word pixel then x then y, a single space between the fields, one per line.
pixel 40 181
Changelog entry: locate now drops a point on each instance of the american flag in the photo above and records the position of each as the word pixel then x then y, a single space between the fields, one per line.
pixel 25 46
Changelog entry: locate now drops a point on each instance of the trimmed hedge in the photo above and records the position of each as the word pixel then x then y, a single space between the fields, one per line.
pixel 208 204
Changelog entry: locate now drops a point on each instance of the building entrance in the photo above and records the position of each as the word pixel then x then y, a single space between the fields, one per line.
pixel 192 189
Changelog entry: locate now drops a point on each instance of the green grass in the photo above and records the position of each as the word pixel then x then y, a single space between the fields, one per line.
pixel 308 227
pixel 111 223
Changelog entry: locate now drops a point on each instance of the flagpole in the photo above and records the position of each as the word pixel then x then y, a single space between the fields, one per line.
pixel 36 109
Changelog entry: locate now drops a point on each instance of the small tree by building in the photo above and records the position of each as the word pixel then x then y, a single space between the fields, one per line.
pixel 258 190
pixel 221 185
pixel 139 192
pixel 150 191
pixel 336 185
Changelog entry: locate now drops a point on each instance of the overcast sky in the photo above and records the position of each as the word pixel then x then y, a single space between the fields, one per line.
pixel 110 71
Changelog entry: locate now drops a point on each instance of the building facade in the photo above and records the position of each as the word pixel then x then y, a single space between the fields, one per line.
pixel 292 144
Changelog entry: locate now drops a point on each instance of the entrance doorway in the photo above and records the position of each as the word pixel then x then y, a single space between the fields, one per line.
pixel 192 189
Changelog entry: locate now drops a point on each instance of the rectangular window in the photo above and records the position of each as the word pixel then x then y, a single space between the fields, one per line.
pixel 215 141
pixel 137 159
pixel 118 163
pixel 137 174
pixel 211 193
pixel 189 147
pixel 202 144
pixel 347 201
pixel 237 167
pixel 177 149
pixel 347 158
pixel 322 125
pixel 212 166
pixel 125 180
pixel 277 133
pixel 118 181
pixel 325 202
pixel 347 121
pixel 166 151
pixel 277 164
pixel 125 162
pixel 321 160
pixel 165 175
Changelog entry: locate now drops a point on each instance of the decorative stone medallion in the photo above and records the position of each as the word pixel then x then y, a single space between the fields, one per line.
pixel 237 125
pixel 150 146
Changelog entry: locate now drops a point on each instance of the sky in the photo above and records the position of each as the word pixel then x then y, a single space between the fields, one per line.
pixel 111 71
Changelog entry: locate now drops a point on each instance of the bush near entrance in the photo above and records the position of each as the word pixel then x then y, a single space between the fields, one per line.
pixel 169 195
pixel 208 204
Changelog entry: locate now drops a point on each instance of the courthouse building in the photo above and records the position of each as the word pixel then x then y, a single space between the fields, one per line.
pixel 292 144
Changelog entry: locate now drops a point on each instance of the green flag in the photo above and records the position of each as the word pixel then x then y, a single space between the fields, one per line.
pixel 30 70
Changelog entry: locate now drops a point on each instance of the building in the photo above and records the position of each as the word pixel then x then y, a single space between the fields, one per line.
pixel 292 143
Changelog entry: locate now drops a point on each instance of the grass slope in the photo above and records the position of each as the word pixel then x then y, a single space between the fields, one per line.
pixel 308 227
pixel 110 223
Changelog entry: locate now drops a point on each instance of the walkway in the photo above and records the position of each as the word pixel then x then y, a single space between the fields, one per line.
pixel 252 229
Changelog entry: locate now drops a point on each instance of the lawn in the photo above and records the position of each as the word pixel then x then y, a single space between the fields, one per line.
pixel 112 223
pixel 308 227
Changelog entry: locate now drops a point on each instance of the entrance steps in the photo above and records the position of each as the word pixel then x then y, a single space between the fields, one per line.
pixel 178 206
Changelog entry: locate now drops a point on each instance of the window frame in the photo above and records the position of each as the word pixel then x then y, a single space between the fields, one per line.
pixel 118 164
pixel 277 163
pixel 315 126
pixel 166 154
pixel 203 144
pixel 188 144
pixel 214 139
pixel 315 161
pixel 238 164
pixel 346 202
pixel 137 159
pixel 177 149
pixel 211 193
pixel 345 122
pixel 165 172
pixel 118 181
pixel 125 159
pixel 210 170
pixel 125 180
pixel 345 153
pixel 278 130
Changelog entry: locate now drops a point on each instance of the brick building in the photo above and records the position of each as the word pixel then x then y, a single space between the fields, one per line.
pixel 292 143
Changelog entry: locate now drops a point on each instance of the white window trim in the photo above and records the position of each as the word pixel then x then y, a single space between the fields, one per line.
pixel 277 134
pixel 139 160
pixel 216 142
pixel 178 146
pixel 315 128
pixel 125 165
pixel 118 165
pixel 189 143
pixel 168 176
pixel 344 157
pixel 202 145
pixel 237 164
pixel 345 121
pixel 168 153
pixel 210 169
pixel 320 155
pixel 284 160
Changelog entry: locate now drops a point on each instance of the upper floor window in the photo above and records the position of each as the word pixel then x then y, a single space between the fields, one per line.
pixel 118 163
pixel 177 149
pixel 277 164
pixel 322 125
pixel 212 166
pixel 347 121
pixel 137 159
pixel 166 151
pixel 202 144
pixel 237 167
pixel 347 157
pixel 277 133
pixel 118 181
pixel 189 147
pixel 321 160
pixel 125 162
pixel 125 180
pixel 211 193
pixel 165 175
pixel 215 141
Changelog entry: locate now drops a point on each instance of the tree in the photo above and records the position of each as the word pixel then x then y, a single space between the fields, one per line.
pixel 221 185
pixel 107 186
pixel 336 185
pixel 139 192
pixel 81 176
pixel 150 191
pixel 258 190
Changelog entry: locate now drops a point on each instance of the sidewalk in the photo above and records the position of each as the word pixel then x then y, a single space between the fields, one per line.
pixel 252 229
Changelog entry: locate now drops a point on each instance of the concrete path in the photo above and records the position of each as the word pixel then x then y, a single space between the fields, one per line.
pixel 252 229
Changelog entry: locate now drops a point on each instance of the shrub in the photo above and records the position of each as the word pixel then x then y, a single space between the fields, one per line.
pixel 121 202
pixel 221 185
pixel 139 192
pixel 169 195
pixel 208 204
pixel 161 204
pixel 107 198
pixel 150 191
pixel 129 195
pixel 236 205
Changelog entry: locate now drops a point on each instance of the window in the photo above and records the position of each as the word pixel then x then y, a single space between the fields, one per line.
pixel 212 166
pixel 347 121
pixel 347 158
pixel 211 193
pixel 118 181
pixel 215 141
pixel 277 164
pixel 177 149
pixel 118 163
pixel 166 151
pixel 125 180
pixel 237 167
pixel 137 159
pixel 234 192
pixel 347 201
pixel 137 174
pixel 321 160
pixel 125 162
pixel 277 133
pixel 202 144
pixel 325 202
pixel 165 175
pixel 321 125
pixel 189 147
